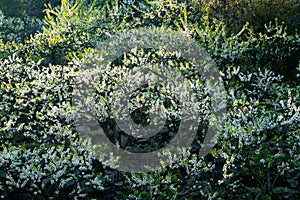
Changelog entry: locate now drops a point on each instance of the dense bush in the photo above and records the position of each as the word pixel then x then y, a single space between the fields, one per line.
pixel 41 156
pixel 17 29
pixel 257 155
pixel 20 19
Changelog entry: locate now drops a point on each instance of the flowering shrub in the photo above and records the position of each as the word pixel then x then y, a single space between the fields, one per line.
pixel 261 138
pixel 257 155
pixel 41 155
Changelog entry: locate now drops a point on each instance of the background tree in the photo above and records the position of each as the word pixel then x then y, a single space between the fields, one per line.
pixel 36 8
pixel 12 8
pixel 235 13
pixel 16 8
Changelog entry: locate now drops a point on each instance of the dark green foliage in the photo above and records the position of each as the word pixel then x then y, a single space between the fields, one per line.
pixel 235 13
pixel 17 29
pixel 33 8
pixel 36 8
pixel 12 8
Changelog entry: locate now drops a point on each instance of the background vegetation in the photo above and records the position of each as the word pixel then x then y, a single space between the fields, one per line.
pixel 259 12
pixel 258 151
